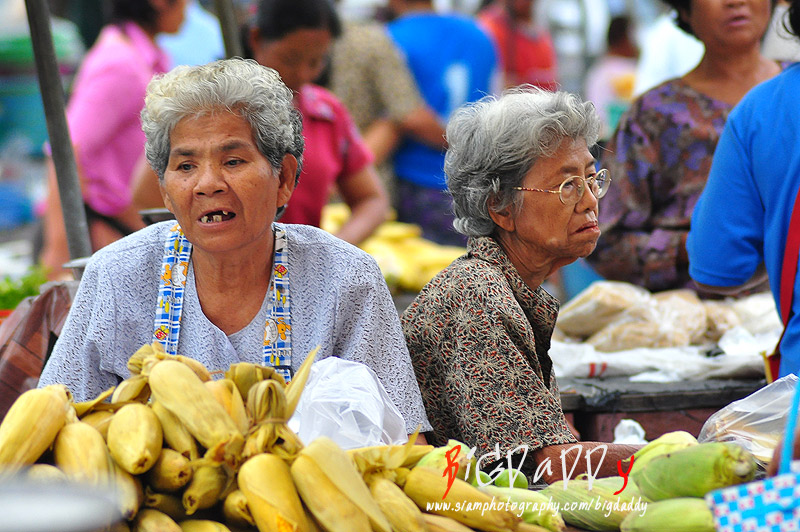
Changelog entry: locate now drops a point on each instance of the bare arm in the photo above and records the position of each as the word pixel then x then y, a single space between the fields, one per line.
pixel 424 125
pixel 758 278
pixel 369 205
pixel 382 137
pixel 607 468
pixel 146 194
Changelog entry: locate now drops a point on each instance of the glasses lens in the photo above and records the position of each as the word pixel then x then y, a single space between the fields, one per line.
pixel 572 190
pixel 602 181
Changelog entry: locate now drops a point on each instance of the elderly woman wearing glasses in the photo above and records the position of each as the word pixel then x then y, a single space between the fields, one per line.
pixel 525 190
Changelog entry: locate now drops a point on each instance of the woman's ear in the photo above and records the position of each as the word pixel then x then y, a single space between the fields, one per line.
pixel 503 217
pixel 288 179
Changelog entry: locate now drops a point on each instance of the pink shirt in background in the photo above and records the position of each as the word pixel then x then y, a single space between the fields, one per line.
pixel 334 151
pixel 103 113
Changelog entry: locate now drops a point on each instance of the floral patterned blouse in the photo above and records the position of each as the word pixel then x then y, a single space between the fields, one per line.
pixel 659 159
pixel 478 338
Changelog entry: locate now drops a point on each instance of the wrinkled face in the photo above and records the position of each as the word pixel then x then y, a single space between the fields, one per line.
pixel 729 22
pixel 547 229
pixel 221 189
pixel 299 56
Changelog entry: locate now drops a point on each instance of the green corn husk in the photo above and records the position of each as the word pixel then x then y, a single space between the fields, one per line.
pixel 533 507
pixel 694 471
pixel 683 514
pixel 596 509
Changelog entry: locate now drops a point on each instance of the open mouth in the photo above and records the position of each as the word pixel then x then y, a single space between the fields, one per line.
pixel 216 217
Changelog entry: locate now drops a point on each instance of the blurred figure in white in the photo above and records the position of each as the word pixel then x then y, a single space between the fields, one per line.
pixel 199 41
pixel 779 44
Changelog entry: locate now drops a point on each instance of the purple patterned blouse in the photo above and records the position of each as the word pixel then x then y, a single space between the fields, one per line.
pixel 659 159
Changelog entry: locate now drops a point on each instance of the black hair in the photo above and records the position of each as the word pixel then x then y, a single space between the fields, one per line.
pixel 139 11
pixel 792 20
pixel 618 30
pixel 686 5
pixel 278 18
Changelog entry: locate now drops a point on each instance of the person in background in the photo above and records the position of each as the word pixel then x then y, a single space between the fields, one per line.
pixel 370 77
pixel 741 221
pixel 224 283
pixel 294 37
pixel 103 118
pixel 525 48
pixel 525 191
pixel 454 62
pixel 609 81
pixel 663 146
pixel 667 52
pixel 199 41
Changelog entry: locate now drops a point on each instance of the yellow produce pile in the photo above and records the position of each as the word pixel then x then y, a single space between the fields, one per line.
pixel 665 488
pixel 406 260
pixel 181 452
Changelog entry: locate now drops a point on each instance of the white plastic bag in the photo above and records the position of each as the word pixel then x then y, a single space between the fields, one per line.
pixel 346 402
pixel 756 422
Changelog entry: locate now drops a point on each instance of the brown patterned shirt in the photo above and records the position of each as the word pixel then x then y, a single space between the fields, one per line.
pixel 478 338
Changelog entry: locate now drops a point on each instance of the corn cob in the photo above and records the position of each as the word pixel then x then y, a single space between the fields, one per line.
pixel 164 502
pixel 596 508
pixel 100 420
pixel 207 484
pixel 694 471
pixel 682 514
pixel 149 520
pixel 31 425
pixel 142 361
pixel 533 507
pixel 245 374
pixel 135 438
pixel 181 391
pixel 128 492
pixel 86 407
pixel 227 395
pixel 171 472
pixel 401 512
pixel 175 434
pixel 295 387
pixel 467 504
pixel 440 523
pixel 236 511
pixel 266 405
pixel 202 525
pixel 134 388
pixel 382 457
pixel 45 473
pixel 666 443
pixel 80 452
pixel 271 496
pixel 334 491
pixel 438 459
pixel 119 526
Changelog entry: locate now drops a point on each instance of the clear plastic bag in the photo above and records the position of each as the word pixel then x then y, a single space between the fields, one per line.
pixel 755 422
pixel 346 402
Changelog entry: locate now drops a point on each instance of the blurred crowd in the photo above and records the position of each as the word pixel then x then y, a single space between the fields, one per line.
pixel 376 81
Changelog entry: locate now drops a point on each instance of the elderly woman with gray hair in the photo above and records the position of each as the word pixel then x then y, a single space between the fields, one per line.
pixel 224 283
pixel 525 190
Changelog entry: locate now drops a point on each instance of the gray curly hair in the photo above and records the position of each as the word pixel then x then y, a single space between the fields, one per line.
pixel 241 86
pixel 494 142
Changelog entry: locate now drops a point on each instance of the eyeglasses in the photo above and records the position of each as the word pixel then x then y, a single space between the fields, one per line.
pixel 571 190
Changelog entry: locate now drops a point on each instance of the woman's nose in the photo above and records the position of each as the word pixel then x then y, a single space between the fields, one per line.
pixel 588 201
pixel 209 181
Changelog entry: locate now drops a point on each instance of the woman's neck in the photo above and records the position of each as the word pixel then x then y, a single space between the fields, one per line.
pixel 531 268
pixel 231 288
pixel 728 76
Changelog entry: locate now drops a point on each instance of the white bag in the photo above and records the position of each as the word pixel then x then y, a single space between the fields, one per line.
pixel 346 402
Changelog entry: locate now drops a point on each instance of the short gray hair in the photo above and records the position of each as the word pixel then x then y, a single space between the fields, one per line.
pixel 240 86
pixel 494 142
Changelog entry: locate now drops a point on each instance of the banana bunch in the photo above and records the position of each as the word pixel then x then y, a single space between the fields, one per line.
pixel 406 260
pixel 182 452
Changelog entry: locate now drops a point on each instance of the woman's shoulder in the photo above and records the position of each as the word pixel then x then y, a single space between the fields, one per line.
pixel 313 245
pixel 320 103
pixel 136 250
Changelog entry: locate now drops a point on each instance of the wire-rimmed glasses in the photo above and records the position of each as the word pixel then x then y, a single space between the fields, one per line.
pixel 571 190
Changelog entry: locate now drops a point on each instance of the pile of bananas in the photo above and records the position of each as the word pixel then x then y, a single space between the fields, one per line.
pixel 667 481
pixel 406 260
pixel 181 452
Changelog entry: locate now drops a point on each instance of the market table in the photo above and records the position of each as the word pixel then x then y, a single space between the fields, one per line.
pixel 595 406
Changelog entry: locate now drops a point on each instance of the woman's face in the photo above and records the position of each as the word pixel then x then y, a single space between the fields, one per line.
pixel 299 56
pixel 170 15
pixel 729 22
pixel 221 189
pixel 545 230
